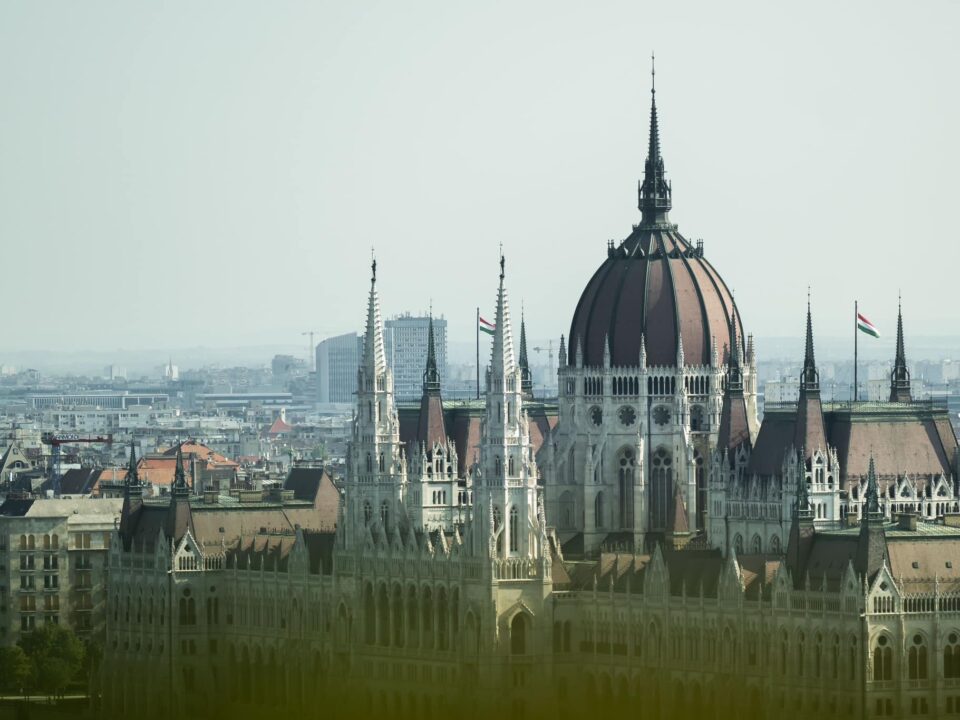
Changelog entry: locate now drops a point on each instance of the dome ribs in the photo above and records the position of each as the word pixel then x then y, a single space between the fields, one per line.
pixel 677 315
pixel 697 353
pixel 660 309
pixel 598 321
pixel 581 316
pixel 626 352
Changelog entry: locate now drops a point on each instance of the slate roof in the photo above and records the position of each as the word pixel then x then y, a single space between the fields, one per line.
pixel 913 439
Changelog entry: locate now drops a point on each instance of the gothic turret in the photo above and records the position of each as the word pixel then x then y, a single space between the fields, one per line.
pixel 431 428
pixel 734 427
pixel 508 483
pixel 179 517
pixel 132 499
pixel 526 377
pixel 809 433
pixel 900 377
pixel 376 469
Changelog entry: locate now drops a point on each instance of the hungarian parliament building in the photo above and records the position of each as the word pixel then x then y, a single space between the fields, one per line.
pixel 640 544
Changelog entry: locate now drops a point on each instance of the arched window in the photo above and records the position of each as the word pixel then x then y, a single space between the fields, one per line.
pixel 384 513
pixel 917 658
pixel 775 544
pixel 882 659
pixel 738 543
pixel 598 510
pixel 497 523
pixel 510 466
pixel 518 634
pixel 951 656
pixel 566 510
pixel 499 467
pixel 756 545
pixel 514 530
pixel 627 463
pixel 380 464
pixel 367 512
pixel 369 463
pixel 661 487
pixel 696 418
pixel 571 468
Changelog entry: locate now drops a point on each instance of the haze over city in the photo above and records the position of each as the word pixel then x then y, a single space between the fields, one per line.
pixel 167 184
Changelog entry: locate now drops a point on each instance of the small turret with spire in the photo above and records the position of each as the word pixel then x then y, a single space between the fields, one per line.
pixel 526 377
pixel 655 193
pixel 809 431
pixel 872 544
pixel 900 377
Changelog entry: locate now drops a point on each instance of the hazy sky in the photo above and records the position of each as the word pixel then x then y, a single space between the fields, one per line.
pixel 215 173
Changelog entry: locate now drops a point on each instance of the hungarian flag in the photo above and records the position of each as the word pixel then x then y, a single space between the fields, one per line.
pixel 487 326
pixel 866 326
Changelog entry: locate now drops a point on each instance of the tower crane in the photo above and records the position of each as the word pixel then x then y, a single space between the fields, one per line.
pixel 549 351
pixel 55 441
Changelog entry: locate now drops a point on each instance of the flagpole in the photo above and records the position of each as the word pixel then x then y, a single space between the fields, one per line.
pixel 856 335
pixel 478 352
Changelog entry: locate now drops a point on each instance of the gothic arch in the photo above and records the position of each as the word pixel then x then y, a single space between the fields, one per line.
pixel 661 486
pixel 626 478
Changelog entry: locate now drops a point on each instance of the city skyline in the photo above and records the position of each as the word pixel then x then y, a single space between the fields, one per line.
pixel 145 160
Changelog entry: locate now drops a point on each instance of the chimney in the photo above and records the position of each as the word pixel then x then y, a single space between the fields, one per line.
pixel 907 521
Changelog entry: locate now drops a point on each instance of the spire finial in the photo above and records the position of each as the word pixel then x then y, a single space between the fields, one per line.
pixel 900 377
pixel 431 376
pixel 810 379
pixel 653 73
pixel 373 265
pixel 655 192
pixel 503 263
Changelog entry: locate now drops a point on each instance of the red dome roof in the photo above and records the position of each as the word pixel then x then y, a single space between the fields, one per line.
pixel 656 284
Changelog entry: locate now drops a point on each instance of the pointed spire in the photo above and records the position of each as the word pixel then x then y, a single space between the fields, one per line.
pixel 562 355
pixel 655 192
pixel 179 487
pixel 502 362
pixel 810 379
pixel 681 361
pixel 526 377
pixel 374 354
pixel 873 494
pixel 132 479
pixel 431 376
pixel 734 370
pixel 643 352
pixel 802 508
pixel 900 377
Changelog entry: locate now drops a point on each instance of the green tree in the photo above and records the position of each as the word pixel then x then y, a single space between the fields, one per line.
pixel 15 669
pixel 56 656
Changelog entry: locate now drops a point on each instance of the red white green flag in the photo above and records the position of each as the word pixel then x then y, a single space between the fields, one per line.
pixel 864 325
pixel 486 326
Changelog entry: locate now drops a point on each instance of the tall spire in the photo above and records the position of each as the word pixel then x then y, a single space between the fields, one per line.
pixel 179 487
pixel 872 495
pixel 502 361
pixel 374 354
pixel 810 379
pixel 734 370
pixel 526 377
pixel 431 376
pixel 900 377
pixel 132 479
pixel 655 193
pixel 809 432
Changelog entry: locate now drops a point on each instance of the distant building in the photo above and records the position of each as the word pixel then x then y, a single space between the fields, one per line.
pixel 337 361
pixel 405 340
pixel 53 554
pixel 115 372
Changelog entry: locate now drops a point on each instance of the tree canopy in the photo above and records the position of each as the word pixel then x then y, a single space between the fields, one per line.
pixel 55 655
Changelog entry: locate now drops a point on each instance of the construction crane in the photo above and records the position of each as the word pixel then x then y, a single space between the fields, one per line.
pixel 549 351
pixel 312 352
pixel 55 441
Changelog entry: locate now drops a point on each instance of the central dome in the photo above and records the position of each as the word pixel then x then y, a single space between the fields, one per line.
pixel 655 286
